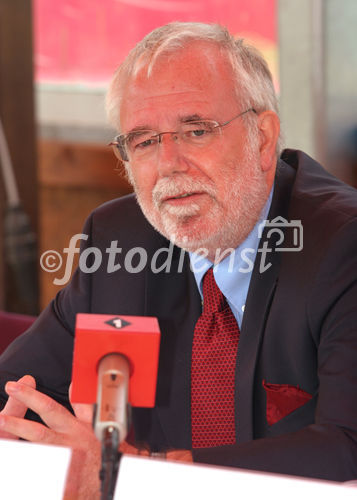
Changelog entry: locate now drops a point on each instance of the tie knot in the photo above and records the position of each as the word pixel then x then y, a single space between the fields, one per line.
pixel 213 298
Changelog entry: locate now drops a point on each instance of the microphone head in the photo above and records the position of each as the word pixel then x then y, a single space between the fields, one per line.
pixel 135 337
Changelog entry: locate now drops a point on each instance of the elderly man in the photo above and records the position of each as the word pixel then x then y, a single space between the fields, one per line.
pixel 263 375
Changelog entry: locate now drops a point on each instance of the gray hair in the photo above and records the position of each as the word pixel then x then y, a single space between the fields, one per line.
pixel 254 83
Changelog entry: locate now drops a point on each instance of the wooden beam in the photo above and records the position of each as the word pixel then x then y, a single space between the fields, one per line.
pixel 74 178
pixel 17 114
pixel 80 165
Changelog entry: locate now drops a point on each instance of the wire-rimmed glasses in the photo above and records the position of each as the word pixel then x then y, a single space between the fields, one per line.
pixel 142 144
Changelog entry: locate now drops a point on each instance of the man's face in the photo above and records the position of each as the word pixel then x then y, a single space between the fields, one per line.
pixel 198 197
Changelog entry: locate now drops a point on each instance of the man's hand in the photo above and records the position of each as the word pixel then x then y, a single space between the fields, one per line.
pixel 175 455
pixel 63 429
pixel 16 408
pixel 180 456
pixel 129 449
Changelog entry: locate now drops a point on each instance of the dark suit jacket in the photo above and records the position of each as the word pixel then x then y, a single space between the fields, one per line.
pixel 296 388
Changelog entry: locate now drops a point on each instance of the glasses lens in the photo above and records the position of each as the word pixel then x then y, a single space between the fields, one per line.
pixel 116 151
pixel 200 132
pixel 119 149
pixel 140 143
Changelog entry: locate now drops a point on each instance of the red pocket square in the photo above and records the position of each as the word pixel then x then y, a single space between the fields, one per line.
pixel 283 399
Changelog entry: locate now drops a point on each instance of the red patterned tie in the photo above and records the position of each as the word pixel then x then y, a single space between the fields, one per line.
pixel 214 353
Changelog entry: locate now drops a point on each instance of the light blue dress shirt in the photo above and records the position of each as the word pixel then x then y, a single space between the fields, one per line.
pixel 234 272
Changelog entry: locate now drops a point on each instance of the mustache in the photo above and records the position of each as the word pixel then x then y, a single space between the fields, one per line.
pixel 171 187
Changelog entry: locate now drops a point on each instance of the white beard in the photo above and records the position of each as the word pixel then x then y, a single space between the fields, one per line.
pixel 225 225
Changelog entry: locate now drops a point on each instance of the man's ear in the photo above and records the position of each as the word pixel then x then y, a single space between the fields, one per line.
pixel 269 129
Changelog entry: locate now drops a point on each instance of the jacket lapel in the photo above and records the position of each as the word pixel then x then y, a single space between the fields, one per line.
pixel 260 296
pixel 173 297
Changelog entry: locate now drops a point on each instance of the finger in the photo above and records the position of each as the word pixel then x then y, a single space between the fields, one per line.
pixel 31 431
pixel 83 412
pixel 15 407
pixel 129 449
pixel 52 413
pixel 180 456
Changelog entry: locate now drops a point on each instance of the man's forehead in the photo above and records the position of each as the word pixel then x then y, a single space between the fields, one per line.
pixel 198 62
pixel 200 50
pixel 165 110
pixel 192 82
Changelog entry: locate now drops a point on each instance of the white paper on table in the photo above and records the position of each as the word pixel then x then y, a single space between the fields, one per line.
pixel 162 480
pixel 32 471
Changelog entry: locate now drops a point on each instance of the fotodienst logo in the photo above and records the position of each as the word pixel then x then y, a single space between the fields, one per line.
pixel 281 227
pixel 276 235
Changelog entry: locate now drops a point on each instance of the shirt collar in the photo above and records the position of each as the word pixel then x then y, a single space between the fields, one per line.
pixel 235 267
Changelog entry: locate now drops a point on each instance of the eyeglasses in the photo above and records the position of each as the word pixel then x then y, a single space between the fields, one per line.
pixel 142 144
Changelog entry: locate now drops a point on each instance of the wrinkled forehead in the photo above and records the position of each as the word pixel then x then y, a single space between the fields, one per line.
pixel 203 51
pixel 201 64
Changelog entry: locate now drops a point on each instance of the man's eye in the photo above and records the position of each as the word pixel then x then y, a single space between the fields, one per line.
pixel 199 132
pixel 144 144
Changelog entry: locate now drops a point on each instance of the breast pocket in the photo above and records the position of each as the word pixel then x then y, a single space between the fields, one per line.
pixel 283 399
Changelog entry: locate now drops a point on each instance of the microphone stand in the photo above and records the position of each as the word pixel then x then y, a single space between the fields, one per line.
pixel 112 417
pixel 110 462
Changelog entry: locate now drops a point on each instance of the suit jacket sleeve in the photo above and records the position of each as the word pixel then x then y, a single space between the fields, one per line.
pixel 45 350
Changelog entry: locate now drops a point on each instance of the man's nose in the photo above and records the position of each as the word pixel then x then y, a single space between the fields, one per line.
pixel 170 154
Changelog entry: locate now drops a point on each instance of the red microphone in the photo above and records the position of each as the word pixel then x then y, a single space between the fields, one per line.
pixel 115 361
